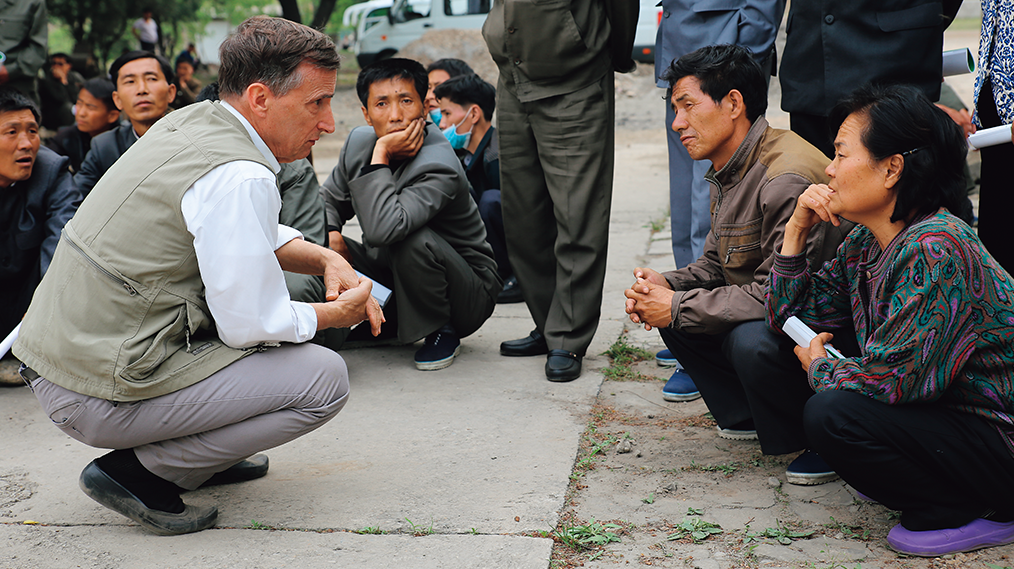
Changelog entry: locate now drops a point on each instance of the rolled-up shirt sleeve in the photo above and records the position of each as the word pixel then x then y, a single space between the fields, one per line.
pixel 232 212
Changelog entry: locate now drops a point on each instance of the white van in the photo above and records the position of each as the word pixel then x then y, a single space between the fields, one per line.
pixel 648 20
pixel 408 20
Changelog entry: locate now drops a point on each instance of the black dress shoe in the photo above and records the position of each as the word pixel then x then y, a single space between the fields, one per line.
pixel 562 365
pixel 511 292
pixel 532 345
pixel 250 469
pixel 100 487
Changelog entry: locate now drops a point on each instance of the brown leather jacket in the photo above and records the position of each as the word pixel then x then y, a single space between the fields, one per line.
pixel 752 197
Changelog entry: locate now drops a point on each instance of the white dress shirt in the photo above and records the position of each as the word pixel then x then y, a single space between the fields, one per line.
pixel 232 212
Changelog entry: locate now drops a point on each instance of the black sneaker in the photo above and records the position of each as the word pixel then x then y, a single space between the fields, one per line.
pixel 439 350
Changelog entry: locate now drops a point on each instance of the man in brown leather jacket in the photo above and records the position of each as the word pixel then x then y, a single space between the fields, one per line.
pixel 711 313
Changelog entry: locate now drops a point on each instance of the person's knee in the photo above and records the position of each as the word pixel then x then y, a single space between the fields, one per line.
pixel 824 416
pixel 489 205
pixel 330 391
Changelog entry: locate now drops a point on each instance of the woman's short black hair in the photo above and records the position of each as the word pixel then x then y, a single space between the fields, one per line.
pixel 102 89
pixel 901 120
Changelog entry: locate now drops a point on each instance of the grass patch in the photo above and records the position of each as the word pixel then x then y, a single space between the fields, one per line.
pixel 694 528
pixel 623 355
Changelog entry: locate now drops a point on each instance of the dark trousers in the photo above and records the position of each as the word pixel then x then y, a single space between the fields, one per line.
pixel 491 212
pixel 748 372
pixel 556 174
pixel 815 130
pixel 942 468
pixel 433 284
pixel 996 201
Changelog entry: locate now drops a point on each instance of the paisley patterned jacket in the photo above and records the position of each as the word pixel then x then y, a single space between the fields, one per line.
pixel 933 314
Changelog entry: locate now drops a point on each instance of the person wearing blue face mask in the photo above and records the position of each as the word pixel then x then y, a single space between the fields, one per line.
pixel 439 71
pixel 467 103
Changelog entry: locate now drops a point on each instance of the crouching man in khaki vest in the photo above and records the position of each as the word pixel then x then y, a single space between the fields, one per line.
pixel 163 328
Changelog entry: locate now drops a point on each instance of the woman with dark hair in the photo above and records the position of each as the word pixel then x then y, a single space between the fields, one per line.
pixel 923 420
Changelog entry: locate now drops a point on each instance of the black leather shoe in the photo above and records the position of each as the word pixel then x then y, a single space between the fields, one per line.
pixel 562 365
pixel 100 487
pixel 511 292
pixel 534 344
pixel 250 469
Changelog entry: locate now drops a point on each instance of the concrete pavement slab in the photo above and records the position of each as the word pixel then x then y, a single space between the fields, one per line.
pixel 116 546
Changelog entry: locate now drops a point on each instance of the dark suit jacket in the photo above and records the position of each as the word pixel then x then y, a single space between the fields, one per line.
pixel 32 215
pixel 833 47
pixel 484 171
pixel 688 25
pixel 106 149
pixel 429 190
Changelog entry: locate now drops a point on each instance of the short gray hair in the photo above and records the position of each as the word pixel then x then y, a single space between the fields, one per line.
pixel 269 50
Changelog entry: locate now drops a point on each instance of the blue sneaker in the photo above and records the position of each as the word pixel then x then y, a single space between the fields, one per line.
pixel 680 387
pixel 439 350
pixel 808 469
pixel 666 359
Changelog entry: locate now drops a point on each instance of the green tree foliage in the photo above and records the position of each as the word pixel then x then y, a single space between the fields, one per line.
pixel 102 27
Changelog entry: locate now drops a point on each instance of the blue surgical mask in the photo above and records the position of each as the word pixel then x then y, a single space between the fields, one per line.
pixel 435 116
pixel 458 141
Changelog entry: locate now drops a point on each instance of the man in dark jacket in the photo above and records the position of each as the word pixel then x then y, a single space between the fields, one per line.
pixel 833 47
pixel 37 197
pixel 422 234
pixel 144 90
pixel 96 113
pixel 466 105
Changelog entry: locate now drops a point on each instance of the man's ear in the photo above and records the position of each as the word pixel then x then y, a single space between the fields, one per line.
pixel 258 98
pixel 117 101
pixel 366 116
pixel 172 92
pixel 735 100
pixel 895 166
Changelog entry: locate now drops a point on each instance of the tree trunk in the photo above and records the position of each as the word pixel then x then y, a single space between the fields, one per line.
pixel 290 11
pixel 322 14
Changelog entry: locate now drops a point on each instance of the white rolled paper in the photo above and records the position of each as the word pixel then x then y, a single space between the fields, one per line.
pixel 9 340
pixel 958 62
pixel 990 136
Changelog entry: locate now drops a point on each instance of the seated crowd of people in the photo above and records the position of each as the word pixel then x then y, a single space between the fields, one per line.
pixel 918 415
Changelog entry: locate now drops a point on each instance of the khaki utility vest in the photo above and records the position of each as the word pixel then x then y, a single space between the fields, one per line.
pixel 121 314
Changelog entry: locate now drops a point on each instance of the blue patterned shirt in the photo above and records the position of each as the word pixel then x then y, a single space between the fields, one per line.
pixel 996 57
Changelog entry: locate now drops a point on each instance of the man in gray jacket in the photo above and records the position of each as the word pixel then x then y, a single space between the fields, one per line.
pixel 711 313
pixel 422 234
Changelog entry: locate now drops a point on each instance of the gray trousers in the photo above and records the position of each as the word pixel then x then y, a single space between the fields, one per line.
pixel 263 400
pixel 689 198
pixel 433 285
pixel 556 176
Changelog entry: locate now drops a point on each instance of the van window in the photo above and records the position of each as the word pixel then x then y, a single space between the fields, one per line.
pixel 405 11
pixel 465 7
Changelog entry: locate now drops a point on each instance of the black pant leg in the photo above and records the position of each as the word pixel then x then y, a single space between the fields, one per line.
pixel 814 129
pixel 702 357
pixel 774 382
pixel 942 468
pixel 996 200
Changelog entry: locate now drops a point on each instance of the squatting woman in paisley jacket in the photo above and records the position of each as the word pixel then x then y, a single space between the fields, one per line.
pixel 923 419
